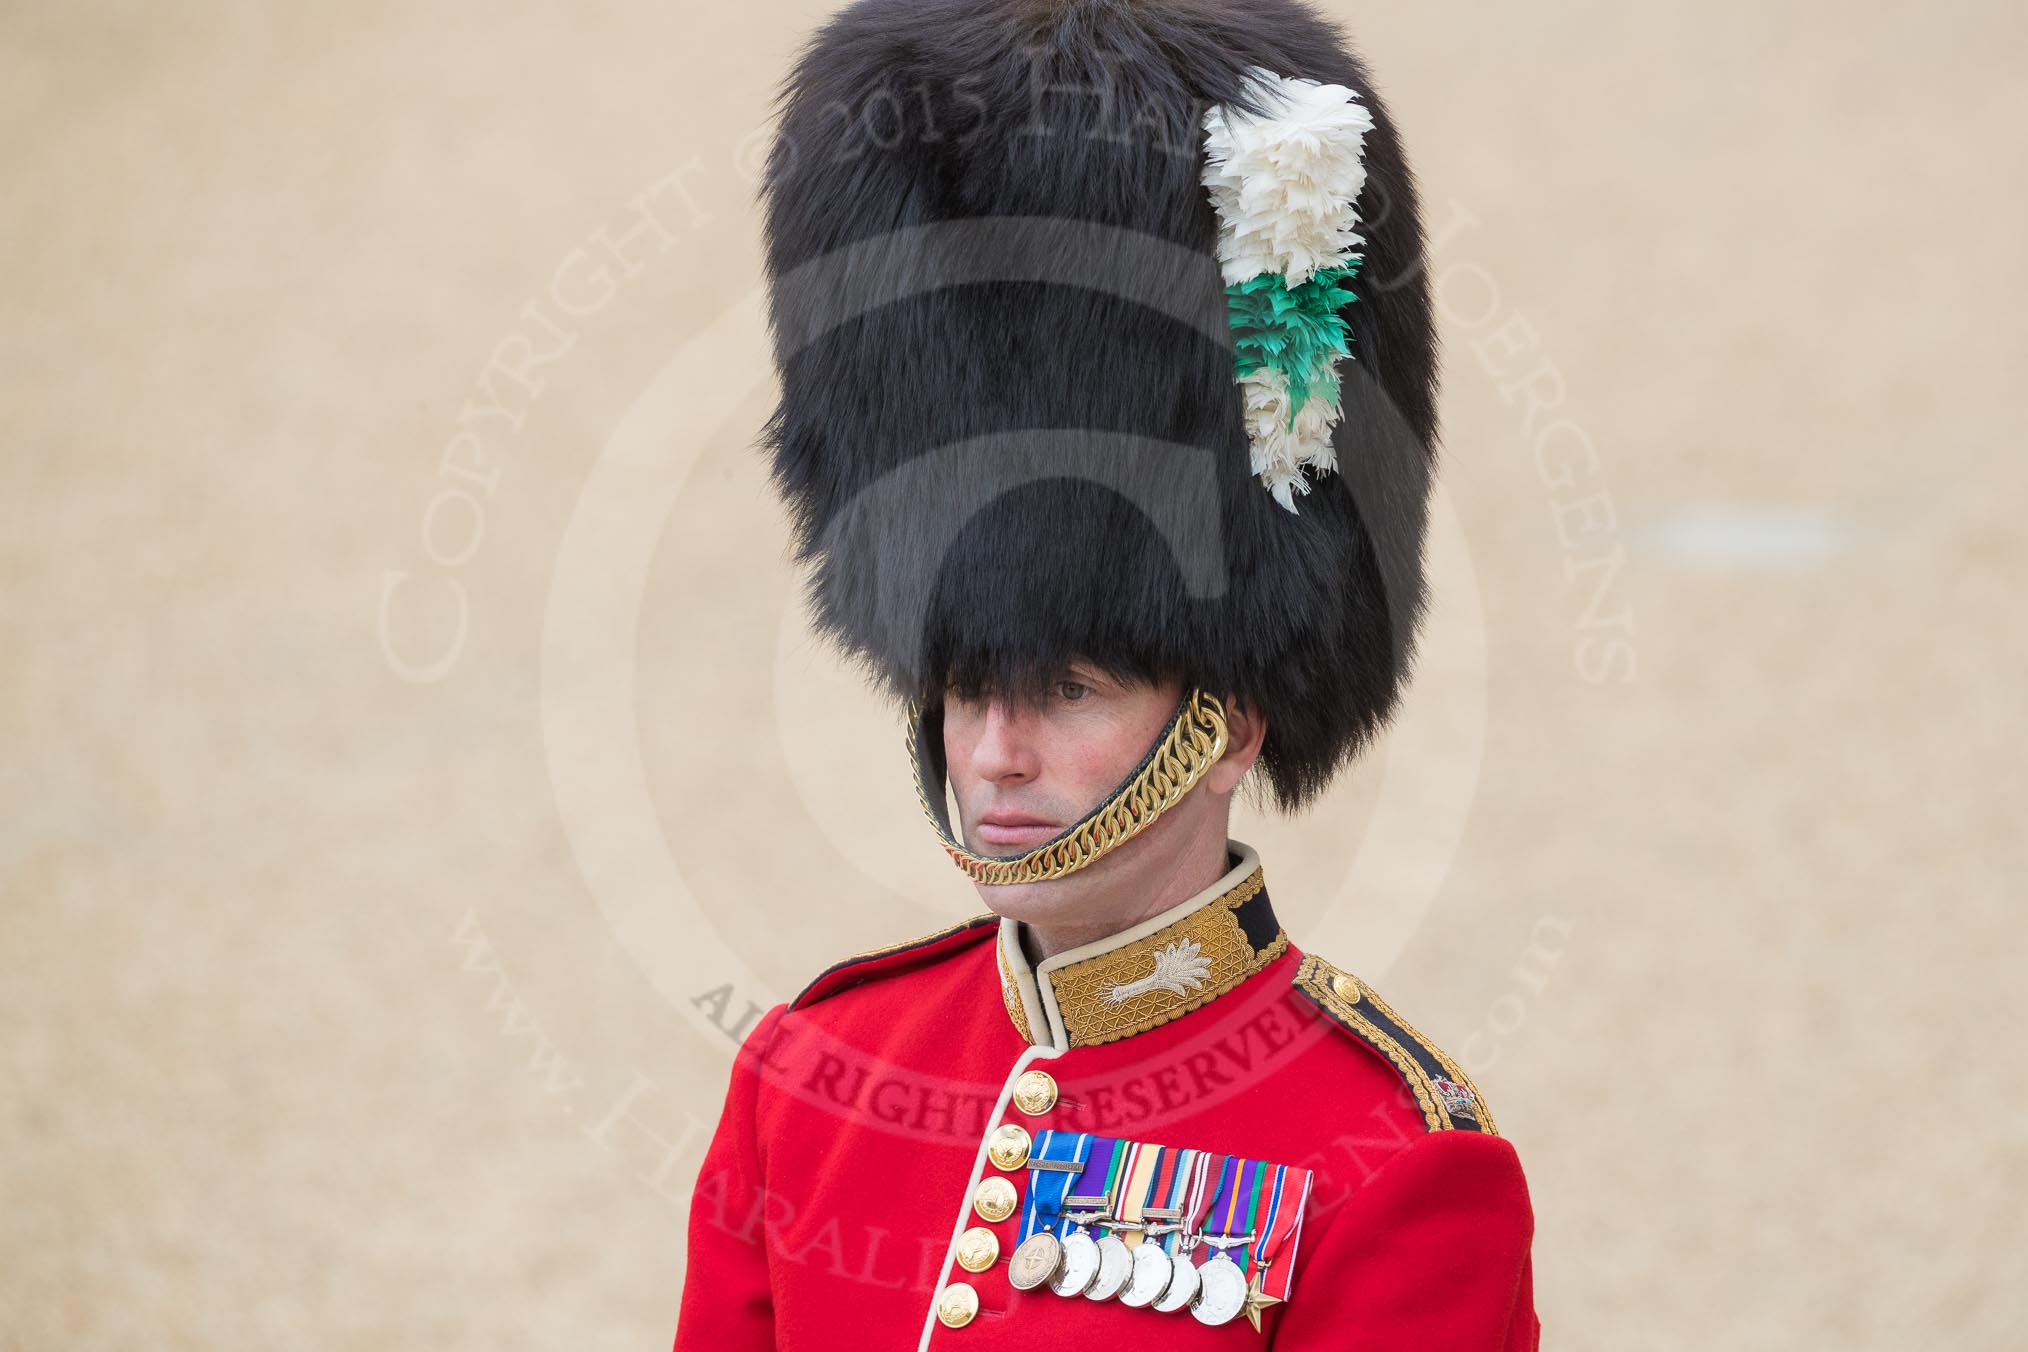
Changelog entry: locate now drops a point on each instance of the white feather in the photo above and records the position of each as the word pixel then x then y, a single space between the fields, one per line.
pixel 1286 185
pixel 1280 452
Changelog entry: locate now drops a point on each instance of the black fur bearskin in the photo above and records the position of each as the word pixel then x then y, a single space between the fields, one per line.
pixel 1009 432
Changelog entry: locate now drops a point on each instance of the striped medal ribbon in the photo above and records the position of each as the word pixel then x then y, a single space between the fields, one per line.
pixel 1200 1191
pixel 1153 1207
pixel 1221 1293
pixel 1057 1159
pixel 1087 1202
pixel 1280 1223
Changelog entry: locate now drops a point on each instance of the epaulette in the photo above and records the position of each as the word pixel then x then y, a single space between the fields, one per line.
pixel 879 962
pixel 1448 1098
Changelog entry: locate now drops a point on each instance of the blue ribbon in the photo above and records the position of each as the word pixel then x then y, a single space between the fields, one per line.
pixel 1179 1184
pixel 1270 1213
pixel 1048 1187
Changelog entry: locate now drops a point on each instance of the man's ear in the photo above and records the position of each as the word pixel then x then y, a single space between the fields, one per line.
pixel 1245 730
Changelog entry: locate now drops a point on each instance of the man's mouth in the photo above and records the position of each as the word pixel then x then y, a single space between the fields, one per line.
pixel 1015 829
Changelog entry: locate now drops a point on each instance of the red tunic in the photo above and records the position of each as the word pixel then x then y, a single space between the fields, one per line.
pixel 853 1143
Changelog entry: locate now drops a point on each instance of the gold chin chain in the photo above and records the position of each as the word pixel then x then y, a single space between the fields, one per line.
pixel 1192 745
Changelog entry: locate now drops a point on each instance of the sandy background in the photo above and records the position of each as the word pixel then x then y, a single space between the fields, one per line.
pixel 398 754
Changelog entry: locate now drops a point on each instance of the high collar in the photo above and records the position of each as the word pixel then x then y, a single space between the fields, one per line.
pixel 1143 977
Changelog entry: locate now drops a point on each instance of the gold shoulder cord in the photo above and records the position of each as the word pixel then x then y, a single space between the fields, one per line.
pixel 1192 745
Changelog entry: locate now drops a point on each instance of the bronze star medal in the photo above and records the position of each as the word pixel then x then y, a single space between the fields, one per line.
pixel 1257 1300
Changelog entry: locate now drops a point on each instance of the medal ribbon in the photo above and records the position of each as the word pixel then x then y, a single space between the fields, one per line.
pixel 1202 1193
pixel 1094 1184
pixel 1165 1181
pixel 1123 1154
pixel 1178 1197
pixel 1135 1177
pixel 1239 1189
pixel 1280 1221
pixel 1048 1187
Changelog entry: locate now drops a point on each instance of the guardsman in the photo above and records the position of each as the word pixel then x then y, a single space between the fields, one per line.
pixel 1107 425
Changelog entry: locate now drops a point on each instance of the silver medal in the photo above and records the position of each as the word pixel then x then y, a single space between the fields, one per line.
pixel 1116 1264
pixel 1182 1286
pixel 1080 1265
pixel 1152 1270
pixel 1037 1259
pixel 1221 1294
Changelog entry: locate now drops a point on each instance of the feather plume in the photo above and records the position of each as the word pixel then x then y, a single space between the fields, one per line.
pixel 1286 184
pixel 1286 440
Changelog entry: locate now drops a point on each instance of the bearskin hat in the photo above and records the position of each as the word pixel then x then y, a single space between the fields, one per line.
pixel 1074 362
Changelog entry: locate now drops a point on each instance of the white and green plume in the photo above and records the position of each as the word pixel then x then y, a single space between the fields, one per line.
pixel 1285 184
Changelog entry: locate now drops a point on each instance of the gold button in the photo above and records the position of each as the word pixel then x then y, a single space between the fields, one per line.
pixel 978 1249
pixel 1345 988
pixel 1008 1146
pixel 1035 1092
pixel 957 1305
pixel 995 1199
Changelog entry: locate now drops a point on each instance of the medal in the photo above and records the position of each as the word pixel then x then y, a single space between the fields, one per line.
pixel 1221 1293
pixel 1090 1191
pixel 1157 1210
pixel 1150 1278
pixel 1199 1193
pixel 1121 1220
pixel 1080 1264
pixel 1056 1159
pixel 1182 1288
pixel 1115 1265
pixel 1280 1222
pixel 1124 1190
pixel 1035 1261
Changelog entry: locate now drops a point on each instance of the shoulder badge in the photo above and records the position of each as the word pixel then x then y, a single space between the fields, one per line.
pixel 1448 1098
pixel 878 962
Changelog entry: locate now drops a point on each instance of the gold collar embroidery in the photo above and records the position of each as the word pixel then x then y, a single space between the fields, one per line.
pixel 1141 978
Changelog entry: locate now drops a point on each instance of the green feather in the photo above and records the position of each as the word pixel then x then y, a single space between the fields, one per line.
pixel 1296 330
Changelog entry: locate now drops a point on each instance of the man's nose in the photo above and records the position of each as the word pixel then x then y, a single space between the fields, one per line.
pixel 1006 748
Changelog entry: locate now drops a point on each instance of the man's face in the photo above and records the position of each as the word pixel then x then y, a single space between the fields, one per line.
pixel 1021 773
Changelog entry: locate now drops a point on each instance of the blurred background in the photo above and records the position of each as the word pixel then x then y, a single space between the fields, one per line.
pixel 415 767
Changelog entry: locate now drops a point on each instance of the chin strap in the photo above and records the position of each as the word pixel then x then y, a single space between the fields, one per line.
pixel 1195 739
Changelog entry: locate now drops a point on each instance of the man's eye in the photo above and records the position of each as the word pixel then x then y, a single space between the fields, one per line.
pixel 1073 691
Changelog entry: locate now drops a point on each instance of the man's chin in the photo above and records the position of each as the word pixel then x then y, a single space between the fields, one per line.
pixel 1073 899
pixel 1039 903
